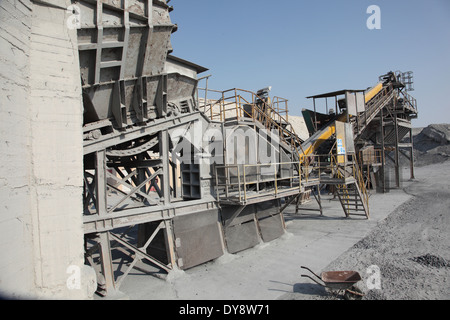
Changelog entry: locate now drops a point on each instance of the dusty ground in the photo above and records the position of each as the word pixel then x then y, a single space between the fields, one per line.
pixel 411 246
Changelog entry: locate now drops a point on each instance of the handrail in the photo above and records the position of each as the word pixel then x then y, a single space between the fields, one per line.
pixel 268 116
pixel 233 101
pixel 410 100
pixel 359 179
pixel 276 102
pixel 373 106
pixel 243 181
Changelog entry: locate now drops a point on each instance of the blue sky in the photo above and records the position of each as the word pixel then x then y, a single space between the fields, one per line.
pixel 302 48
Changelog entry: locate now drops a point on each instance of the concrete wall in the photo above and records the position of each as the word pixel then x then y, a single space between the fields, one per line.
pixel 41 244
pixel 16 252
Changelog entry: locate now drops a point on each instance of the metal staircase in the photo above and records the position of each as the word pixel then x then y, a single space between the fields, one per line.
pixel 350 187
pixel 351 199
pixel 373 107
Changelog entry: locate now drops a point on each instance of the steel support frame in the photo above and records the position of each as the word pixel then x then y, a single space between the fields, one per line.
pixel 316 197
pixel 136 180
pixel 106 242
pixel 389 113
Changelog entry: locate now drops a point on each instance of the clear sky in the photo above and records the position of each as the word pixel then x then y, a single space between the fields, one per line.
pixel 303 48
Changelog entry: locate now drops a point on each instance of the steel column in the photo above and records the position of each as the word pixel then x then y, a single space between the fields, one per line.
pixel 164 155
pixel 383 171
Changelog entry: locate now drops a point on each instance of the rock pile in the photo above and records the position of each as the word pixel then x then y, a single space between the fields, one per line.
pixel 430 260
pixel 432 144
pixel 438 132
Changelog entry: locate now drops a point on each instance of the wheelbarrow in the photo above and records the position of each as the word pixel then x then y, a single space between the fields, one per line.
pixel 339 281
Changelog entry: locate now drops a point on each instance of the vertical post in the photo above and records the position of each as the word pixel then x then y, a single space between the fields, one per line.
pixel 101 206
pixel 126 22
pixel 319 199
pixel 245 185
pixel 287 111
pixel 382 151
pixel 239 182
pixel 217 185
pixel 258 174
pixel 100 178
pixel 141 174
pixel 346 111
pixel 106 262
pixel 236 104
pixel 315 116
pixel 357 113
pixel 170 250
pixel 98 57
pixel 397 151
pixel 336 105
pixel 411 158
pixel 164 155
pixel 227 180
pixel 275 177
pixel 222 107
pixel 206 97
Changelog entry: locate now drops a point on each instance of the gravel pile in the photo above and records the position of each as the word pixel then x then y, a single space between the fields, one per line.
pixel 430 260
pixel 409 246
pixel 431 144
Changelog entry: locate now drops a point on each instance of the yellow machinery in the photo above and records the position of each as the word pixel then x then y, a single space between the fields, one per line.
pixel 314 142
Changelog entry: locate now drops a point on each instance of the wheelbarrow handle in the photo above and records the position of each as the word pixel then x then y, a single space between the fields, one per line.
pixel 311 272
pixel 306 276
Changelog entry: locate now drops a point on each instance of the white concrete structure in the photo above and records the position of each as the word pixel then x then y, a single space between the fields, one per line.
pixel 41 155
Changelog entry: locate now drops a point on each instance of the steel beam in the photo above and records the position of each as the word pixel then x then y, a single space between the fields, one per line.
pixel 128 217
pixel 129 134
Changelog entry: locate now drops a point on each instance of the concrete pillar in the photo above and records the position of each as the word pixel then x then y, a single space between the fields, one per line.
pixel 16 250
pixel 41 177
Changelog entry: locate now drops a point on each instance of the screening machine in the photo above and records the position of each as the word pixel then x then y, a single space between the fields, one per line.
pixel 151 197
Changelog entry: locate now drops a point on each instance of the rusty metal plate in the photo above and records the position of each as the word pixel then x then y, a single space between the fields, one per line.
pixel 197 238
pixel 242 236
pixel 229 217
pixel 271 227
pixel 269 220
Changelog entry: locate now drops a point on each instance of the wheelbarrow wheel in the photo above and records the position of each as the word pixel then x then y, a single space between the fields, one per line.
pixel 354 293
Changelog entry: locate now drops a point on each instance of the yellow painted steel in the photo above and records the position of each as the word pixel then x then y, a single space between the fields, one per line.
pixel 372 92
pixel 326 134
pixel 331 129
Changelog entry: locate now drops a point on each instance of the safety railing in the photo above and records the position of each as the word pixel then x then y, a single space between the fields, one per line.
pixel 240 183
pixel 357 173
pixel 242 104
pixel 374 105
pixel 280 105
pixel 409 102
pixel 370 156
pixel 350 168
